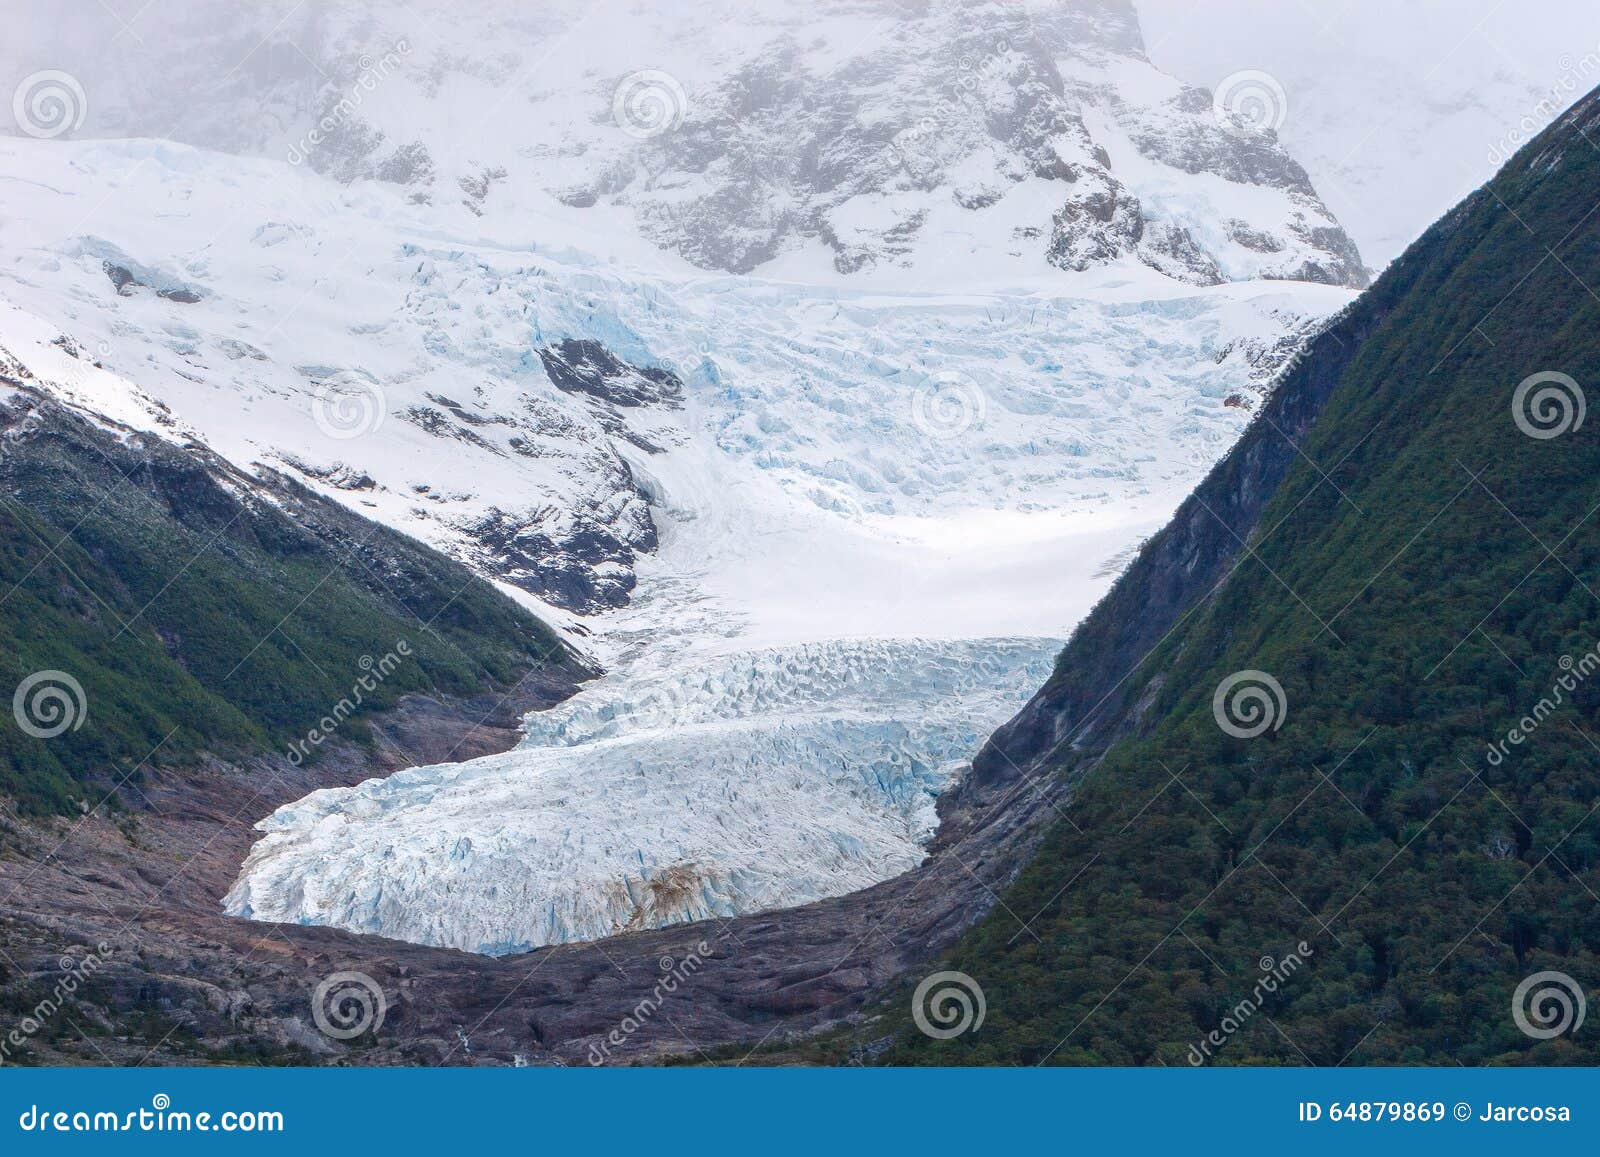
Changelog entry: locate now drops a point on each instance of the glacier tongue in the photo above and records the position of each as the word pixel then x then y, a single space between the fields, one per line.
pixel 721 785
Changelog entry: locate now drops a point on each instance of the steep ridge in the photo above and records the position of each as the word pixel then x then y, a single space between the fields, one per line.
pixel 1338 710
pixel 176 605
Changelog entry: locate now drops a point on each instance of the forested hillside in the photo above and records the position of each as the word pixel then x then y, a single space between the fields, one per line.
pixel 199 609
pixel 1411 826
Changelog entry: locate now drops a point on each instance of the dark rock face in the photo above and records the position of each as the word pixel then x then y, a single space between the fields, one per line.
pixel 126 282
pixel 560 562
pixel 121 280
pixel 341 476
pixel 587 367
pixel 344 145
pixel 580 560
pixel 576 552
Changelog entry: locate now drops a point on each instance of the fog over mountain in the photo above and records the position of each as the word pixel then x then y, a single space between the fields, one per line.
pixel 1397 110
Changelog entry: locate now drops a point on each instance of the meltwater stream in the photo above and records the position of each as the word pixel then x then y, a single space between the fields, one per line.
pixel 722 785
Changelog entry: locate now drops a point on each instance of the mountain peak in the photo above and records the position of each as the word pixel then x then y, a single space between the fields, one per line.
pixel 867 135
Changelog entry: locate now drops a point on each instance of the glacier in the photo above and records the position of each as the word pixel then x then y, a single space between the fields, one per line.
pixel 821 489
pixel 755 780
pixel 885 472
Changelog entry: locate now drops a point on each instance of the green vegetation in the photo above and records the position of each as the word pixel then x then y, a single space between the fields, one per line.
pixel 1415 604
pixel 199 614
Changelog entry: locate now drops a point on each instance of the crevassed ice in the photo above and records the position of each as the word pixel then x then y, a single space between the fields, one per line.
pixel 734 784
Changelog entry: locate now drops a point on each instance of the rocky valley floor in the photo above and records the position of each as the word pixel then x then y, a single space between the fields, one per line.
pixel 181 983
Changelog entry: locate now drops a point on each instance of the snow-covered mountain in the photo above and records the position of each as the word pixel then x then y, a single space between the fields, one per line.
pixel 1396 110
pixel 511 398
pixel 761 349
pixel 846 133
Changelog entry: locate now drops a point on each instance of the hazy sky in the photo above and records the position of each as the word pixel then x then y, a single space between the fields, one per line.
pixel 1398 108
